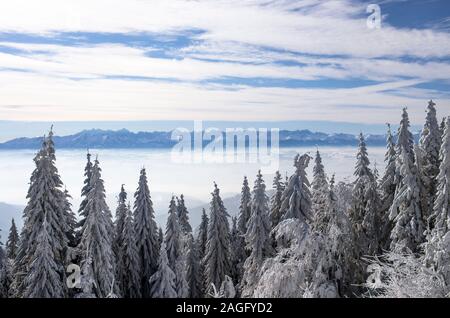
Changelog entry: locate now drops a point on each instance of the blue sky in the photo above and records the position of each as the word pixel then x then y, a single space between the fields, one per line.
pixel 266 60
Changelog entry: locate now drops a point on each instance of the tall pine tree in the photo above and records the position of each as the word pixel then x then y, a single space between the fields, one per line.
pixel 296 198
pixel 406 211
pixel 217 254
pixel 183 215
pixel 275 201
pixel 13 241
pixel 430 144
pixel 387 186
pixel 43 279
pixel 319 190
pixel 146 233
pixel 438 246
pixel 364 211
pixel 193 269
pixel 258 229
pixel 97 236
pixel 162 282
pixel 129 272
pixel 84 192
pixel 45 197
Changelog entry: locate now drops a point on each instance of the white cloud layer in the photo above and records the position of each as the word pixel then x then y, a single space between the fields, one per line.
pixel 327 40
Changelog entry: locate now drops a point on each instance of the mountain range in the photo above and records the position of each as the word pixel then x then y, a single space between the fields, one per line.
pixel 123 138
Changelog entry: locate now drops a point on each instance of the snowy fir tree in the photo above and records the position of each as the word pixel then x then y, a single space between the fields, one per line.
pixel 365 204
pixel 438 245
pixel 43 279
pixel 202 238
pixel 84 192
pixel 173 235
pixel 162 282
pixel 129 271
pixel 45 197
pixel 237 252
pixel 217 254
pixel 257 237
pixel 275 201
pixel 97 236
pixel 193 269
pixel 406 211
pixel 343 265
pixel 430 144
pixel 13 241
pixel 175 254
pixel 296 198
pixel 146 233
pixel 202 235
pixel 71 220
pixel 183 216
pixel 387 186
pixel 118 242
pixel 319 189
pixel 244 207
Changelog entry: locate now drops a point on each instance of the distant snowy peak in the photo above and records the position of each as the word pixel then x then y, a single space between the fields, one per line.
pixel 123 138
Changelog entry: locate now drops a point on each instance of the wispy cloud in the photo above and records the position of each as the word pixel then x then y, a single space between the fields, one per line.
pixel 265 60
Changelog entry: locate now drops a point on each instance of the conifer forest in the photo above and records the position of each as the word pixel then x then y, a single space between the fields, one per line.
pixel 301 236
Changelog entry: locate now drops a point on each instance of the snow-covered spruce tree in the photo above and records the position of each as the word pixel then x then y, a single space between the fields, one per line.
pixel 43 279
pixel 84 192
pixel 183 216
pixel 343 268
pixel 97 236
pixel 257 238
pixel 202 235
pixel 387 186
pixel 69 223
pixel 173 235
pixel 430 144
pixel 174 246
pixel 365 204
pixel 146 233
pixel 129 272
pixel 45 197
pixel 244 207
pixel 296 198
pixel 202 238
pixel 118 242
pixel 275 201
pixel 13 241
pixel 406 211
pixel 162 282
pixel 319 193
pixel 237 253
pixel 71 220
pixel 193 269
pixel 438 246
pixel 424 184
pixel 217 254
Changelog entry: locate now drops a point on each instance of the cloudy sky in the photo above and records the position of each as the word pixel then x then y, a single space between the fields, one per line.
pixel 222 60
